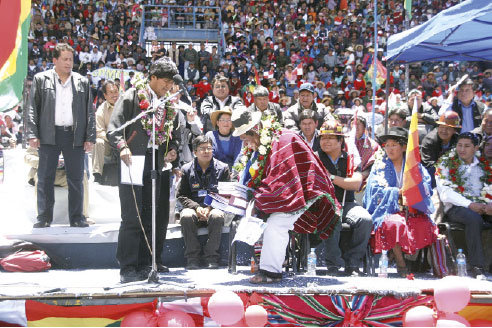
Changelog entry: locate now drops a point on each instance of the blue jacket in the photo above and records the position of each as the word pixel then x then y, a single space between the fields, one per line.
pixel 234 148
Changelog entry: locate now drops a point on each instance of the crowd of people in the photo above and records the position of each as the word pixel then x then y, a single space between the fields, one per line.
pixel 302 63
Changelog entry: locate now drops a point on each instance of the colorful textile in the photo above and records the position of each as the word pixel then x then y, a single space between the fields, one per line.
pixel 14 24
pixel 416 194
pixel 325 310
pixel 44 315
pixel 367 148
pixel 294 176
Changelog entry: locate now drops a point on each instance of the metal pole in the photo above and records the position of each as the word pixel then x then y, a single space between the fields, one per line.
pixel 374 68
pixel 407 70
pixel 386 114
pixel 153 277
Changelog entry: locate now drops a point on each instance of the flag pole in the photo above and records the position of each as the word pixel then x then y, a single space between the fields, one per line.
pixel 374 68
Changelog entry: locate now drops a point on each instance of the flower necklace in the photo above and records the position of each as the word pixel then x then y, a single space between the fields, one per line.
pixel 164 117
pixel 379 167
pixel 456 180
pixel 270 128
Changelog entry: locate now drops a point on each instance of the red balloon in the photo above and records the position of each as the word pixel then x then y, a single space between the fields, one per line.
pixel 481 323
pixel 451 294
pixel 139 319
pixel 175 319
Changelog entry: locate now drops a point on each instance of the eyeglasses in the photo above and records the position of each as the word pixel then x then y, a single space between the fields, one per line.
pixel 223 86
pixel 225 120
pixel 205 149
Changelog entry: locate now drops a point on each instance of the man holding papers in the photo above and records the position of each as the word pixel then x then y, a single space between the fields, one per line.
pixel 134 144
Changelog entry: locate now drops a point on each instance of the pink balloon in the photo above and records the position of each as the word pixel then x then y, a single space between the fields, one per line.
pixel 451 294
pixel 453 317
pixel 175 319
pixel 419 316
pixel 448 323
pixel 256 316
pixel 139 319
pixel 225 307
pixel 240 323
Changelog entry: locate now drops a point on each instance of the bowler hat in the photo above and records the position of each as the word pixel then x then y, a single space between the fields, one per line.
pixel 395 133
pixel 450 119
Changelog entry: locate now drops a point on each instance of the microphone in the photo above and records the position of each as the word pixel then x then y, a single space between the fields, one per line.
pixel 179 81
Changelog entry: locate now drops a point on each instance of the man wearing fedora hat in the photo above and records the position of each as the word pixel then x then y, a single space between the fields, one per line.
pixel 335 161
pixel 262 104
pixel 306 205
pixel 306 101
pixel 226 147
pixel 439 141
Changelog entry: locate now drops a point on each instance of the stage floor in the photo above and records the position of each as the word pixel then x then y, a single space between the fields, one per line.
pixel 104 283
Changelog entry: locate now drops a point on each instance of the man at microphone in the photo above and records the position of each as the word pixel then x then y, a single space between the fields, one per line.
pixel 133 252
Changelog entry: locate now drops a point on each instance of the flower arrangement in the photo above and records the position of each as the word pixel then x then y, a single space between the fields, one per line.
pixel 456 179
pixel 380 159
pixel 164 117
pixel 269 128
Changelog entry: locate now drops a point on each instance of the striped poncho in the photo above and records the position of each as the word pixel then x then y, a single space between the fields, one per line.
pixel 295 180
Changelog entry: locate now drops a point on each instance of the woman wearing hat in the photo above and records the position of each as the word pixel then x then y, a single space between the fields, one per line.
pixel 290 185
pixel 226 147
pixel 392 230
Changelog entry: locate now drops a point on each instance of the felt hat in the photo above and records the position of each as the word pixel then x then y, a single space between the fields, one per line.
pixel 215 115
pixel 395 133
pixel 450 119
pixel 332 127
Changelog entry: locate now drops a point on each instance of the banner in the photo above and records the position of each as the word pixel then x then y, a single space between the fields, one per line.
pixel 109 73
pixel 14 24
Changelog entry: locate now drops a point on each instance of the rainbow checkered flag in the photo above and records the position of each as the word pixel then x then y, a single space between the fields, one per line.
pixel 415 193
pixel 15 17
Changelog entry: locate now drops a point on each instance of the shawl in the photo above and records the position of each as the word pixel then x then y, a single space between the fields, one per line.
pixel 295 180
pixel 382 194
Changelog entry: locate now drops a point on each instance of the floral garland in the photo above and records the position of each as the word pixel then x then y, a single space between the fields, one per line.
pixel 164 117
pixel 457 180
pixel 380 159
pixel 268 134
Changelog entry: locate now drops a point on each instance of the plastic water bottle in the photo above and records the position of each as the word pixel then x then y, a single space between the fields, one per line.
pixel 461 263
pixel 383 265
pixel 311 262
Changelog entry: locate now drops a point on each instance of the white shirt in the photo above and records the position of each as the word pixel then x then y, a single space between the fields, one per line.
pixel 473 186
pixel 63 101
pixel 154 101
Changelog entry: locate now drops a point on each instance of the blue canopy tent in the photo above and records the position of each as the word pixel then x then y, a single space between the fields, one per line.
pixel 460 33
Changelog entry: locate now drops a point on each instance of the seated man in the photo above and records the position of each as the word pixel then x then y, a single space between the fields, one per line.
pixel 103 114
pixel 460 185
pixel 308 122
pixel 200 177
pixel 335 160
pixel 439 141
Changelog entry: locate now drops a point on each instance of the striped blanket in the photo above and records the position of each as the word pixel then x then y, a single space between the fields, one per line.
pixel 295 178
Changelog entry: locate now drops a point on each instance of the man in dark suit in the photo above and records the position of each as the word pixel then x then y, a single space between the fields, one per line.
pixel 61 120
pixel 133 251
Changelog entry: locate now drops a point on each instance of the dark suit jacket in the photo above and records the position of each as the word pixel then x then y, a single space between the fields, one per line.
pixel 431 148
pixel 477 111
pixel 41 109
pixel 134 136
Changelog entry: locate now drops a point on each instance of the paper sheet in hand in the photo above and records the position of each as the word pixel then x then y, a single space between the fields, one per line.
pixel 135 171
pixel 249 230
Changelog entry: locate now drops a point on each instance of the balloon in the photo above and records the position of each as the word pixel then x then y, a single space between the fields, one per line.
pixel 256 316
pixel 448 323
pixel 240 323
pixel 419 316
pixel 451 294
pixel 139 319
pixel 225 307
pixel 175 319
pixel 453 317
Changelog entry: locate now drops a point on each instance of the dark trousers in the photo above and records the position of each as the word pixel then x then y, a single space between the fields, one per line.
pixel 74 167
pixel 473 233
pixel 133 252
pixel 360 222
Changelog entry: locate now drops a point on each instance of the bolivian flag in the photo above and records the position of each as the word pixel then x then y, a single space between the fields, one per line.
pixel 14 24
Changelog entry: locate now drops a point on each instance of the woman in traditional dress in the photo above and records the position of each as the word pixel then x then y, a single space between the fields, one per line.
pixel 393 228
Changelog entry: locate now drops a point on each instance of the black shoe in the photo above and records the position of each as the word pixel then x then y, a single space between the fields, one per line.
pixel 332 271
pixel 162 268
pixel 144 272
pixel 97 177
pixel 213 265
pixel 192 265
pixel 41 224
pixel 353 272
pixel 31 182
pixel 79 224
pixel 476 271
pixel 130 276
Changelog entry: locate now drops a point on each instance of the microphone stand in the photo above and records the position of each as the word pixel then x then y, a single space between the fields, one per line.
pixel 153 275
